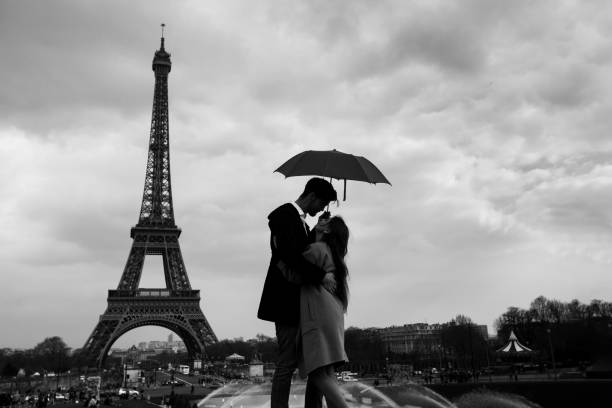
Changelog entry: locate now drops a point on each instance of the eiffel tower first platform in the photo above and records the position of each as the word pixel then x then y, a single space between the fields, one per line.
pixel 177 306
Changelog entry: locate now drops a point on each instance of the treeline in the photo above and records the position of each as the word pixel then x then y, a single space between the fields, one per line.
pixel 50 355
pixel 459 344
pixel 551 311
pixel 365 350
pixel 573 331
pixel 262 348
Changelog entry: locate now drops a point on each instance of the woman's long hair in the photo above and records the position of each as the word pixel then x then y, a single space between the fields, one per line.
pixel 337 240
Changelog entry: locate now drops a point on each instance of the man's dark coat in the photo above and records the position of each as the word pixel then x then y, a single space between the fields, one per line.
pixel 280 299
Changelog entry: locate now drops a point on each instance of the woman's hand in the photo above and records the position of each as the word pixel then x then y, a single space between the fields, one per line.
pixel 329 282
pixel 322 225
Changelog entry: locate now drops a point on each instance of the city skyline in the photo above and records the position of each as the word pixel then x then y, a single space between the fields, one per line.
pixel 491 126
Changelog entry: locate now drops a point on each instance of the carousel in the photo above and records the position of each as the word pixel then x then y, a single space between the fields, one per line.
pixel 514 346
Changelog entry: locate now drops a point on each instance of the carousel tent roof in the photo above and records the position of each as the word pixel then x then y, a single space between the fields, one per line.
pixel 234 356
pixel 513 345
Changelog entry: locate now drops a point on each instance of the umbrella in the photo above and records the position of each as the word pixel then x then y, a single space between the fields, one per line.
pixel 333 164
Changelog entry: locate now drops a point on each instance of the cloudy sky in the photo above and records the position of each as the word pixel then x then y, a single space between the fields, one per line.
pixel 490 118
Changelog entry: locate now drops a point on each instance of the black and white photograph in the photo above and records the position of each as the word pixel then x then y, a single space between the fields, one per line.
pixel 306 204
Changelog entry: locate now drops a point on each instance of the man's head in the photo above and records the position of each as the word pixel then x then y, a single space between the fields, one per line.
pixel 316 196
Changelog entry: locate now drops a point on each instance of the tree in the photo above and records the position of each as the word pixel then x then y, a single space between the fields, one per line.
pixel 365 350
pixel 539 309
pixel 9 370
pixel 464 343
pixel 462 320
pixel 52 354
pixel 263 347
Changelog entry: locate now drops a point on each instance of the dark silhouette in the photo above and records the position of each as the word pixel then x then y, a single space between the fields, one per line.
pixel 322 313
pixel 155 234
pixel 280 299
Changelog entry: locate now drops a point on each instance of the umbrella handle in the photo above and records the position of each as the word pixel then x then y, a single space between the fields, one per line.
pixel 344 190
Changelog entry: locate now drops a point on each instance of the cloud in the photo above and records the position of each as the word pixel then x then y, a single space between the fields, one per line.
pixel 492 127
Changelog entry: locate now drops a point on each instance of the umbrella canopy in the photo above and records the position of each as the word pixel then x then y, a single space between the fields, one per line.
pixel 333 164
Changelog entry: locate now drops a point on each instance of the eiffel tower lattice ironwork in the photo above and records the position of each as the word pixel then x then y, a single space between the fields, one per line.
pixel 177 306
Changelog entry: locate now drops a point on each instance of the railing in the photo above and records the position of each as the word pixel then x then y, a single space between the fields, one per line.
pixel 153 293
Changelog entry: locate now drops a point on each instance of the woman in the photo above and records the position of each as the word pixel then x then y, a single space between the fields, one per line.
pixel 322 312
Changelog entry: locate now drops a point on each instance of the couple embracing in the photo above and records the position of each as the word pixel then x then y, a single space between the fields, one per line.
pixel 305 294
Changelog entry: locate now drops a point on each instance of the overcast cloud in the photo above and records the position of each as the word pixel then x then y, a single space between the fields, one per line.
pixel 490 118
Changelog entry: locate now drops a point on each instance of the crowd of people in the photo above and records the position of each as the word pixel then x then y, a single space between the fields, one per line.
pixel 43 399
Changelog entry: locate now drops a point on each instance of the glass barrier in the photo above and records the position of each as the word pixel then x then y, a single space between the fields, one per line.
pixel 357 395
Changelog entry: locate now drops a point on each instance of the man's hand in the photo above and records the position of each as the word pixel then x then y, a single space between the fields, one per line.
pixel 329 282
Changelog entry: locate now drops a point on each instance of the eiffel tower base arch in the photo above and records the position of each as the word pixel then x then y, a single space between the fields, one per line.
pixel 179 313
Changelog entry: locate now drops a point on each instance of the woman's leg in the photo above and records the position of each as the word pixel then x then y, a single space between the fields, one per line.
pixel 324 378
pixel 312 396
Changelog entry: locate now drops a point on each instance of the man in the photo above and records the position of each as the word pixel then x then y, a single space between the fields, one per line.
pixel 280 299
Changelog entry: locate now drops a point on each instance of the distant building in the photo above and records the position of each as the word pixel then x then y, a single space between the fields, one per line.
pixel 166 346
pixel 134 375
pixel 418 337
pixel 256 369
pixel 415 337
pixel 132 355
pixel 156 344
pixel 150 348
pixel 117 352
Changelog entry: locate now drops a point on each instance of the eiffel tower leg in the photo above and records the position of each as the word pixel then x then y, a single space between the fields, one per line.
pixel 133 267
pixel 99 340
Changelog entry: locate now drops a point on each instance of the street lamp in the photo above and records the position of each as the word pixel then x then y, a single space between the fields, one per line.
pixel 488 363
pixel 552 353
pixel 387 369
pixel 172 379
pixel 124 369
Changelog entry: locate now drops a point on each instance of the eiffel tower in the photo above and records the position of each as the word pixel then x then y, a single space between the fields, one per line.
pixel 177 306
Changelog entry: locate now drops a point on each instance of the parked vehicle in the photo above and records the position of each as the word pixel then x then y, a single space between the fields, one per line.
pixel 31 398
pixel 347 376
pixel 176 383
pixel 128 393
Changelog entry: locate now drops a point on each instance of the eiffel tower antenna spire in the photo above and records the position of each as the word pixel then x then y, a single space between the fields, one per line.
pixel 177 306
pixel 162 37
